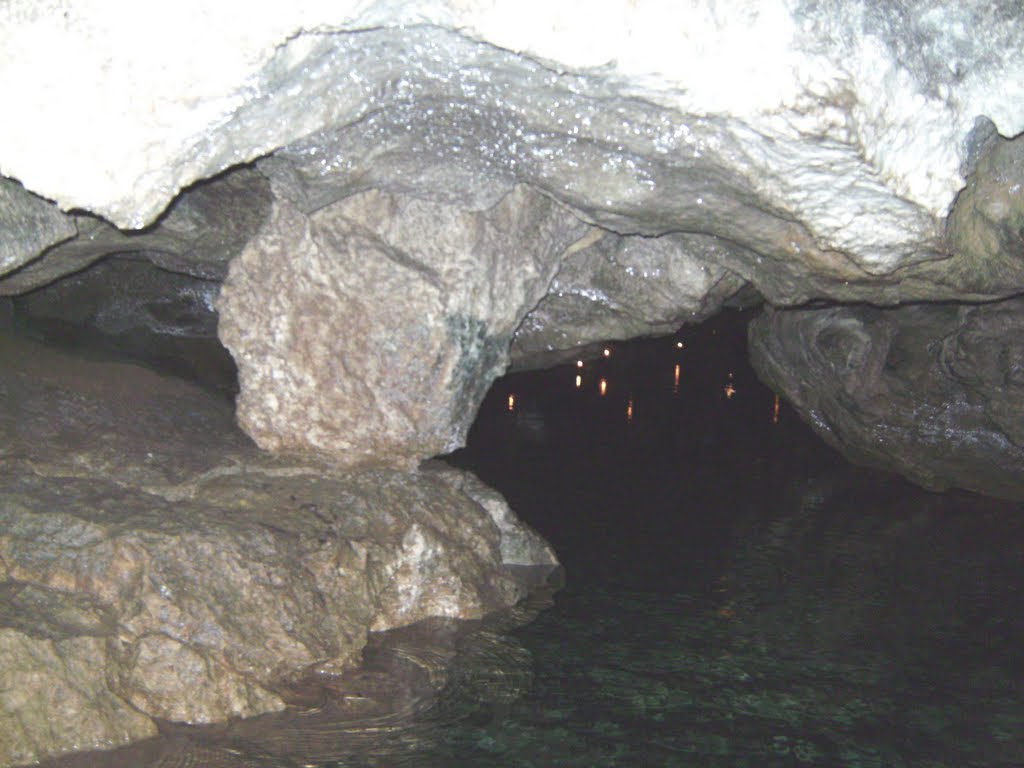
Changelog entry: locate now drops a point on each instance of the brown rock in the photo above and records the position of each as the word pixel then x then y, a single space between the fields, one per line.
pixel 371 329
pixel 176 572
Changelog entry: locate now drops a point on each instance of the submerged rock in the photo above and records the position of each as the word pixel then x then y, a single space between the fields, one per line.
pixel 933 392
pixel 158 566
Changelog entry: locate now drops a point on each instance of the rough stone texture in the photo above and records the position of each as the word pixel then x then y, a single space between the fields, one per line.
pixel 625 287
pixel 933 392
pixel 842 140
pixel 54 697
pixel 372 328
pixel 813 151
pixel 520 544
pixel 201 232
pixel 129 309
pixel 154 562
pixel 28 225
pixel 987 223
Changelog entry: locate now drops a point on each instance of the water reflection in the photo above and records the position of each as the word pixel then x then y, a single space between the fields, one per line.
pixel 739 595
pixel 736 595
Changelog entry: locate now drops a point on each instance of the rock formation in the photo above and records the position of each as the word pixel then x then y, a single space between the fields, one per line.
pixel 400 199
pixel 154 564
pixel 933 392
pixel 372 328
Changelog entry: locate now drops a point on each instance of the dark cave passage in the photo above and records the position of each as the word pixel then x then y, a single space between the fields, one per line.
pixel 735 593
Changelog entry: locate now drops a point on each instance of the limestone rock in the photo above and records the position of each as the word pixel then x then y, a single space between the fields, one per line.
pixel 158 566
pixel 622 288
pixel 28 225
pixel 839 142
pixel 54 698
pixel 986 227
pixel 202 231
pixel 372 328
pixel 129 308
pixel 520 544
pixel 932 392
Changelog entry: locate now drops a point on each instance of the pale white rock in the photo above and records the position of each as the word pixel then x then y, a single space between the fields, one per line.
pixel 839 126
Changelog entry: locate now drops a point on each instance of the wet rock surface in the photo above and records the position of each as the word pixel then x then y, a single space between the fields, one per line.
pixel 158 566
pixel 28 225
pixel 932 392
pixel 408 150
pixel 622 288
pixel 129 309
pixel 197 235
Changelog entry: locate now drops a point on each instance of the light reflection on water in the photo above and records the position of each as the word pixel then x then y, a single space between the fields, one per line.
pixel 735 595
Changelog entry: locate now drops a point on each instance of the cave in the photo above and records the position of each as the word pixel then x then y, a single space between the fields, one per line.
pixel 452 383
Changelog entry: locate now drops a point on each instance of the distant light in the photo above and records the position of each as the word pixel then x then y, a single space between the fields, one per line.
pixel 629 411
pixel 730 390
pixel 604 387
pixel 679 345
pixel 675 385
pixel 775 411
pixel 579 363
pixel 579 381
pixel 607 352
pixel 511 402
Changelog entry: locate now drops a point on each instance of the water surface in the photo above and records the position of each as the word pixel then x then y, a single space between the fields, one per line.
pixel 735 595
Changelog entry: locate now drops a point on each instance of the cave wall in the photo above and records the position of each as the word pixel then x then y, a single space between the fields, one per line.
pixel 410 196
pixel 380 207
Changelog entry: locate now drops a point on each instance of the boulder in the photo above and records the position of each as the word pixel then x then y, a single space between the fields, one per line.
pixel 930 391
pixel 155 564
pixel 371 329
pixel 826 151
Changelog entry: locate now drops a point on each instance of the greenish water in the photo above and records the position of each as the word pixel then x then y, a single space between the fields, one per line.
pixel 734 595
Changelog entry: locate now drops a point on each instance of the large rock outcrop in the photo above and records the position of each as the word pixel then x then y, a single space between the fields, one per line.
pixel 154 564
pixel 792 151
pixel 933 392
pixel 371 329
